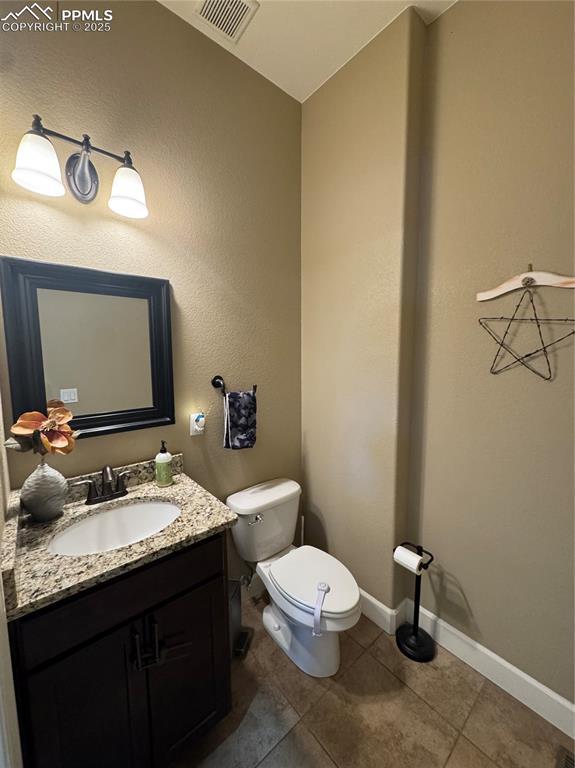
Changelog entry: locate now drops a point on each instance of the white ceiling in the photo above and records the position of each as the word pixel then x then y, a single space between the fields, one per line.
pixel 299 44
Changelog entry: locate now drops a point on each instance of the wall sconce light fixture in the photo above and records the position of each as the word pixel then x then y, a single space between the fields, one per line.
pixel 37 169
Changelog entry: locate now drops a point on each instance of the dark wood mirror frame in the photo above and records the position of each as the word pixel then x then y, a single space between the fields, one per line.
pixel 20 281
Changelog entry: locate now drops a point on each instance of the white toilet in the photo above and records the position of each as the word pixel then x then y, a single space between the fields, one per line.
pixel 313 595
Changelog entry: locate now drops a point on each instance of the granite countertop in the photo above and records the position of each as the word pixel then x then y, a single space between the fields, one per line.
pixel 33 577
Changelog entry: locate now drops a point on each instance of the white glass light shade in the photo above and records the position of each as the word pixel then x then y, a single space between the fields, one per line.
pixel 37 167
pixel 128 198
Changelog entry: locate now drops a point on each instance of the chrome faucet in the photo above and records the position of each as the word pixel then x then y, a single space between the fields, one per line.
pixel 112 486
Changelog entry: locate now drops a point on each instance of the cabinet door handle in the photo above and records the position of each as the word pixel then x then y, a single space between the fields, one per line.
pixel 144 658
pixel 137 652
pixel 148 657
pixel 156 642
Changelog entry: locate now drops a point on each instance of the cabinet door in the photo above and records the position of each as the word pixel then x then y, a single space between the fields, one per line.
pixel 189 688
pixel 88 709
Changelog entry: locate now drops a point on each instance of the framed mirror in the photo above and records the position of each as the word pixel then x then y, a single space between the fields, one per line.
pixel 98 341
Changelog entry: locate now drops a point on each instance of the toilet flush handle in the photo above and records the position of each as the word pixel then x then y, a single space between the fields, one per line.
pixel 322 590
pixel 257 519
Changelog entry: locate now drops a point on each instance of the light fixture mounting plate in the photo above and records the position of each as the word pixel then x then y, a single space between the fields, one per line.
pixel 71 175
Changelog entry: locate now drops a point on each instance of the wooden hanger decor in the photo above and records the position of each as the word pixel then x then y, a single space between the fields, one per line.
pixel 528 281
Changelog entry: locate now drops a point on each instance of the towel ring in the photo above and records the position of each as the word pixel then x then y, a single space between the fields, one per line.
pixel 219 383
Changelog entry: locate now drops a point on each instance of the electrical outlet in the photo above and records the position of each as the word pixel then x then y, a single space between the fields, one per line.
pixel 197 423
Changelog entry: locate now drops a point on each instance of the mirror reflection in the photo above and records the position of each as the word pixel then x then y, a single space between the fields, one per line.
pixel 95 350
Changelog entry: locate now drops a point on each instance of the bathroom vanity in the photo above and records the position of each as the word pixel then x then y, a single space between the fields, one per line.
pixel 121 657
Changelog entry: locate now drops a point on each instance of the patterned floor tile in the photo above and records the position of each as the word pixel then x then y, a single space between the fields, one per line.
pixel 370 719
pixel 447 684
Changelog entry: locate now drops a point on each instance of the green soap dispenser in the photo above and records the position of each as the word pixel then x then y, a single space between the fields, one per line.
pixel 164 467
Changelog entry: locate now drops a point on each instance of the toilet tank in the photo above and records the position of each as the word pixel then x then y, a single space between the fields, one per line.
pixel 267 518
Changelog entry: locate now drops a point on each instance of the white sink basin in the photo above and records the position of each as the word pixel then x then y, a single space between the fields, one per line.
pixel 114 528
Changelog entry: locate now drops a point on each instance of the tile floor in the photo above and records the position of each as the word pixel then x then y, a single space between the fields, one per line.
pixel 379 711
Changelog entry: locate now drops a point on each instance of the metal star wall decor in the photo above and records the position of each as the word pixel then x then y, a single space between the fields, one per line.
pixel 504 342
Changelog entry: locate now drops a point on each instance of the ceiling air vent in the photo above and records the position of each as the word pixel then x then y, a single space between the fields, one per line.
pixel 228 17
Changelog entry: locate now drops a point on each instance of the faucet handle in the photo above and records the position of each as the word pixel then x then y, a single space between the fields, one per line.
pixel 92 492
pixel 121 481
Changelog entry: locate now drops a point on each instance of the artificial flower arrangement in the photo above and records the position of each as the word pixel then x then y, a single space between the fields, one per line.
pixel 44 492
pixel 33 431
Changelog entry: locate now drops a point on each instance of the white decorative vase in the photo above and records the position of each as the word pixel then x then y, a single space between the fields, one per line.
pixel 44 492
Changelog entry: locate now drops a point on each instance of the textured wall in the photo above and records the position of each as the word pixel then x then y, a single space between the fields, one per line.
pixel 218 147
pixel 493 463
pixel 358 153
pixel 491 467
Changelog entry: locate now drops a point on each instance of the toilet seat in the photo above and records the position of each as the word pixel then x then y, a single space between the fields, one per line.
pixel 296 576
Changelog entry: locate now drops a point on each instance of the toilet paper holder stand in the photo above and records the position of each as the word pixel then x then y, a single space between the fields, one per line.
pixel 412 641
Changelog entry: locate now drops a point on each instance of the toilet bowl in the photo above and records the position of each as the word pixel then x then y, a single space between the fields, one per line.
pixel 313 596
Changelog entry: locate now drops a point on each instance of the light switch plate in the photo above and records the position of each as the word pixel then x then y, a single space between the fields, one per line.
pixel 69 395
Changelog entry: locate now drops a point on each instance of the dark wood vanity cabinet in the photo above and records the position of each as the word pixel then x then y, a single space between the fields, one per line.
pixel 125 674
pixel 87 709
pixel 193 648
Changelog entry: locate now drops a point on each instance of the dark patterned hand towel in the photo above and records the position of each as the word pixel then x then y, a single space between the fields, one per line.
pixel 240 419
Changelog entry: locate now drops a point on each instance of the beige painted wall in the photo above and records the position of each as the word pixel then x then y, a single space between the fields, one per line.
pixel 493 462
pixel 218 147
pixel 358 154
pixel 490 470
pixel 99 345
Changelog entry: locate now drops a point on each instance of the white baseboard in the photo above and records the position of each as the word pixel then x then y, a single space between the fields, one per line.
pixel 557 710
pixel 385 618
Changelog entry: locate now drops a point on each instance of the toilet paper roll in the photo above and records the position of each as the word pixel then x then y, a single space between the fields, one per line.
pixel 408 559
